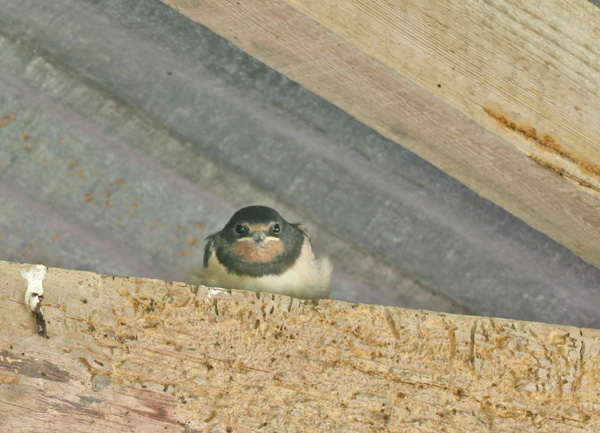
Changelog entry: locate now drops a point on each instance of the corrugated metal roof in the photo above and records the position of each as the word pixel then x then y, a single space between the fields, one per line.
pixel 129 133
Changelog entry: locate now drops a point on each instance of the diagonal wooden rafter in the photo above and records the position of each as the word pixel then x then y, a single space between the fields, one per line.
pixel 501 95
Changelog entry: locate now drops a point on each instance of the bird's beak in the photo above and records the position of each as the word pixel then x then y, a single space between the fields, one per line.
pixel 259 237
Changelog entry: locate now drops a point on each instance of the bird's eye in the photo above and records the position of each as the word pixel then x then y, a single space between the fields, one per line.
pixel 240 229
pixel 276 228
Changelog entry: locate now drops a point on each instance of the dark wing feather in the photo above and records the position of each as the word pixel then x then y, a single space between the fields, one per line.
pixel 209 249
pixel 302 230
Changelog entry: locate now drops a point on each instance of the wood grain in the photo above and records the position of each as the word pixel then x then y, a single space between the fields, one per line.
pixel 140 355
pixel 501 95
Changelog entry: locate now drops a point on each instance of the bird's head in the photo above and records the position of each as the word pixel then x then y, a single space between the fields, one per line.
pixel 257 241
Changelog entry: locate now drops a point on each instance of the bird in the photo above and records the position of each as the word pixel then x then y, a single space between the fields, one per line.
pixel 259 250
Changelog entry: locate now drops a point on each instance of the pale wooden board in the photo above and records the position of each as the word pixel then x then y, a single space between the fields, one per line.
pixel 515 116
pixel 141 355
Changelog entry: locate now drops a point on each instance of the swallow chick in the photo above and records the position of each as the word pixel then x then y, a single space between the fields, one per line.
pixel 258 250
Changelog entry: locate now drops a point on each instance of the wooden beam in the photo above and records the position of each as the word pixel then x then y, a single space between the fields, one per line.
pixel 501 95
pixel 133 355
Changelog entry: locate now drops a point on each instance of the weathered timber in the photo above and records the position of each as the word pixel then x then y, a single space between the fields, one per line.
pixel 141 355
pixel 501 95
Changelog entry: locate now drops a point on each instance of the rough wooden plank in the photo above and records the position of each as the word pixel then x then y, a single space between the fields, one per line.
pixel 140 355
pixel 501 95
